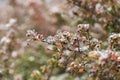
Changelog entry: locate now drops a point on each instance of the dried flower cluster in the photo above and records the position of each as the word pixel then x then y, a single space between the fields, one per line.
pixel 78 53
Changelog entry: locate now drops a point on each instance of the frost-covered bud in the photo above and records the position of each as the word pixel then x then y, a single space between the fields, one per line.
pixel 69 69
pixel 79 65
pixel 75 36
pixel 83 27
pixel 94 54
pixel 114 36
pixel 103 55
pixel 84 48
pixel 50 47
pixel 35 73
pixel 14 54
pixel 94 40
pixel 40 37
pixel 31 33
pixel 118 59
pixel 61 60
pixel 66 33
pixel 5 40
pixel 11 22
pixel 73 64
pixel 62 39
pixel 99 8
pixel 67 52
pixel 50 39
pixel 33 36
pixel 114 40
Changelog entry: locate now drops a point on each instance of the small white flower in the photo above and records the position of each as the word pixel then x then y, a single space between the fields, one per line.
pixel 50 39
pixel 66 33
pixel 99 8
pixel 83 26
pixel 14 54
pixel 62 39
pixel 118 58
pixel 55 9
pixel 50 47
pixel 103 55
pixel 84 48
pixel 61 60
pixel 72 63
pixel 5 40
pixel 67 52
pixel 11 22
pixel 68 68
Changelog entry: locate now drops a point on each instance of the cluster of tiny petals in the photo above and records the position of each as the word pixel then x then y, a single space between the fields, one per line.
pixel 114 36
pixel 114 39
pixel 66 33
pixel 62 35
pixel 50 39
pixel 33 35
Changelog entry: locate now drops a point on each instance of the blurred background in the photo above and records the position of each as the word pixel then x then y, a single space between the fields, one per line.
pixel 17 61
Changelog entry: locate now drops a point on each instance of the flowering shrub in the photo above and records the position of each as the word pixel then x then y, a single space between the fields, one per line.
pixel 89 52
pixel 80 53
